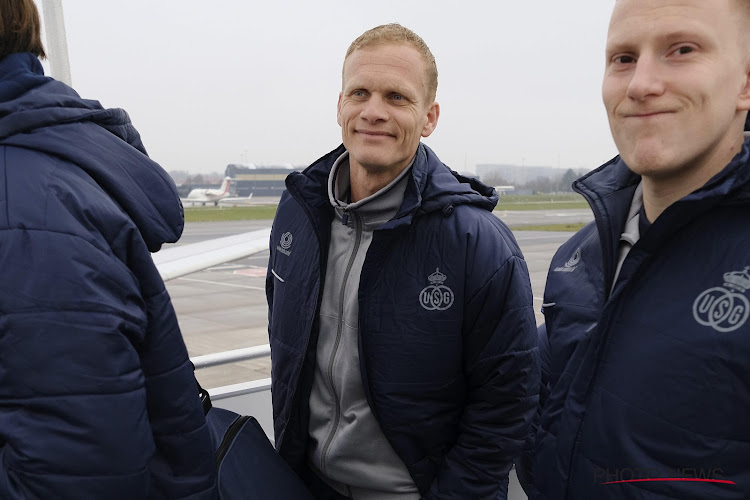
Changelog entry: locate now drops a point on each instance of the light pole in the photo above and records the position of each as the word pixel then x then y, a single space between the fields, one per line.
pixel 57 43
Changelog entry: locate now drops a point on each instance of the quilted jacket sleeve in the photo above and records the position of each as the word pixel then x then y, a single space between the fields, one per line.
pixel 502 368
pixel 183 465
pixel 79 416
pixel 525 463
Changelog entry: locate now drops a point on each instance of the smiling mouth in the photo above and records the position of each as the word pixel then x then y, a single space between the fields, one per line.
pixel 647 114
pixel 373 133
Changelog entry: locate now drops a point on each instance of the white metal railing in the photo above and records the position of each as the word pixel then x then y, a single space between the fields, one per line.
pixel 233 356
pixel 246 398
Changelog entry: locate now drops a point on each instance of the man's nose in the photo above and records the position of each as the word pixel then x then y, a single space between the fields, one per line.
pixel 648 78
pixel 375 109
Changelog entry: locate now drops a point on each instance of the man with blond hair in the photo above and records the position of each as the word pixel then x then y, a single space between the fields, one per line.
pixel 647 344
pixel 403 341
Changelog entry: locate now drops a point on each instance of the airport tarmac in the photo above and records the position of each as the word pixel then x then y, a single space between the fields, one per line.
pixel 515 218
pixel 224 307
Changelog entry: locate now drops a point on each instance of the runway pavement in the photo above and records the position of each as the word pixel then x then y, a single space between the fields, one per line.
pixel 544 217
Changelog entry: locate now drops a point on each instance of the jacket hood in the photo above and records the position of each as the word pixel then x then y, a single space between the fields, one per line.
pixel 42 114
pixel 432 185
pixel 439 186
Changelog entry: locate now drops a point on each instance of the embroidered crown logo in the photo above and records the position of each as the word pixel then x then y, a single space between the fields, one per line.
pixel 436 296
pixel 725 309
pixel 437 277
pixel 739 281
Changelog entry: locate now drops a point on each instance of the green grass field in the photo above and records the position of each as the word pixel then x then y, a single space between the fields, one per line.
pixel 541 202
pixel 216 214
pixel 507 202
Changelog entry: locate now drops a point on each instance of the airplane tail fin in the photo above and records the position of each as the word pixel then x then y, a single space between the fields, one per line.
pixel 225 185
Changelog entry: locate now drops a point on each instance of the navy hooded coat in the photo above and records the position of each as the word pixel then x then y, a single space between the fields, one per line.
pixel 647 382
pixel 97 395
pixel 451 370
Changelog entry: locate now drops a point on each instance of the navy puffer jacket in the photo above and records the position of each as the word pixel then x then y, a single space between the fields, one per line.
pixel 649 385
pixel 447 342
pixel 97 395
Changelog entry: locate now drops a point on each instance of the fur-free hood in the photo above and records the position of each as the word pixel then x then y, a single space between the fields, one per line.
pixel 432 186
pixel 41 114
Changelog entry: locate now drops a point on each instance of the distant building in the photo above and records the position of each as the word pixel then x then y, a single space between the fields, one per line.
pixel 267 180
pixel 517 174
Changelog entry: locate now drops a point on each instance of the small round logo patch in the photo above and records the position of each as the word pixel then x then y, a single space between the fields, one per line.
pixel 286 241
pixel 724 309
pixel 574 260
pixel 436 296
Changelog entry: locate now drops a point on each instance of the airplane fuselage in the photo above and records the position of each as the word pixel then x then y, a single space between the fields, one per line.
pixel 204 196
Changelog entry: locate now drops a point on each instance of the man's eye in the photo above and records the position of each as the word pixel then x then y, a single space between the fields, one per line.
pixel 358 93
pixel 397 97
pixel 624 59
pixel 685 49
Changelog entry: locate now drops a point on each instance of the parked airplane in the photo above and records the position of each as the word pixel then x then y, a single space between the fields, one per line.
pixel 204 196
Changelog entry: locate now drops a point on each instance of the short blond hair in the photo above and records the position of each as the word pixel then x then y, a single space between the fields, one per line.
pixel 394 33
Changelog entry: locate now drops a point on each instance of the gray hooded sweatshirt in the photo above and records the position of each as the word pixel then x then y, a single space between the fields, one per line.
pixel 348 450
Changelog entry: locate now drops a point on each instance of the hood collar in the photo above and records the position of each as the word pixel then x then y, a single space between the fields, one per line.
pixel 441 187
pixel 42 114
pixel 732 183
pixel 431 186
pixel 374 210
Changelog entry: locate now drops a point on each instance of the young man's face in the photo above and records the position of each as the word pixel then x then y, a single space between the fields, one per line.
pixel 383 109
pixel 676 83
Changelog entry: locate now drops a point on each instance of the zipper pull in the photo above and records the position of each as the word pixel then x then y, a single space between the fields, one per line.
pixel 345 218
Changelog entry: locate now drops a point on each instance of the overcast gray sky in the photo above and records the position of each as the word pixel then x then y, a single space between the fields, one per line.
pixel 212 83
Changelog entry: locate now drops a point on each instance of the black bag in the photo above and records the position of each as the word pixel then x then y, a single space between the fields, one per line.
pixel 247 464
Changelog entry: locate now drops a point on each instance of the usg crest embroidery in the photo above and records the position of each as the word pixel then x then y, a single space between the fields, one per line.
pixel 572 263
pixel 436 296
pixel 725 309
pixel 285 244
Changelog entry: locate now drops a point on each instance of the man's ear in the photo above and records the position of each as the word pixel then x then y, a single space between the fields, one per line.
pixel 743 100
pixel 338 110
pixel 433 113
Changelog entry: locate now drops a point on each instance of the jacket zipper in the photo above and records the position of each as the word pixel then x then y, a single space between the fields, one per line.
pixel 600 330
pixel 228 438
pixel 342 293
pixel 604 243
pixel 603 234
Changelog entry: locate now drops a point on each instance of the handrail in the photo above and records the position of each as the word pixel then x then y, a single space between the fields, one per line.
pixel 233 356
